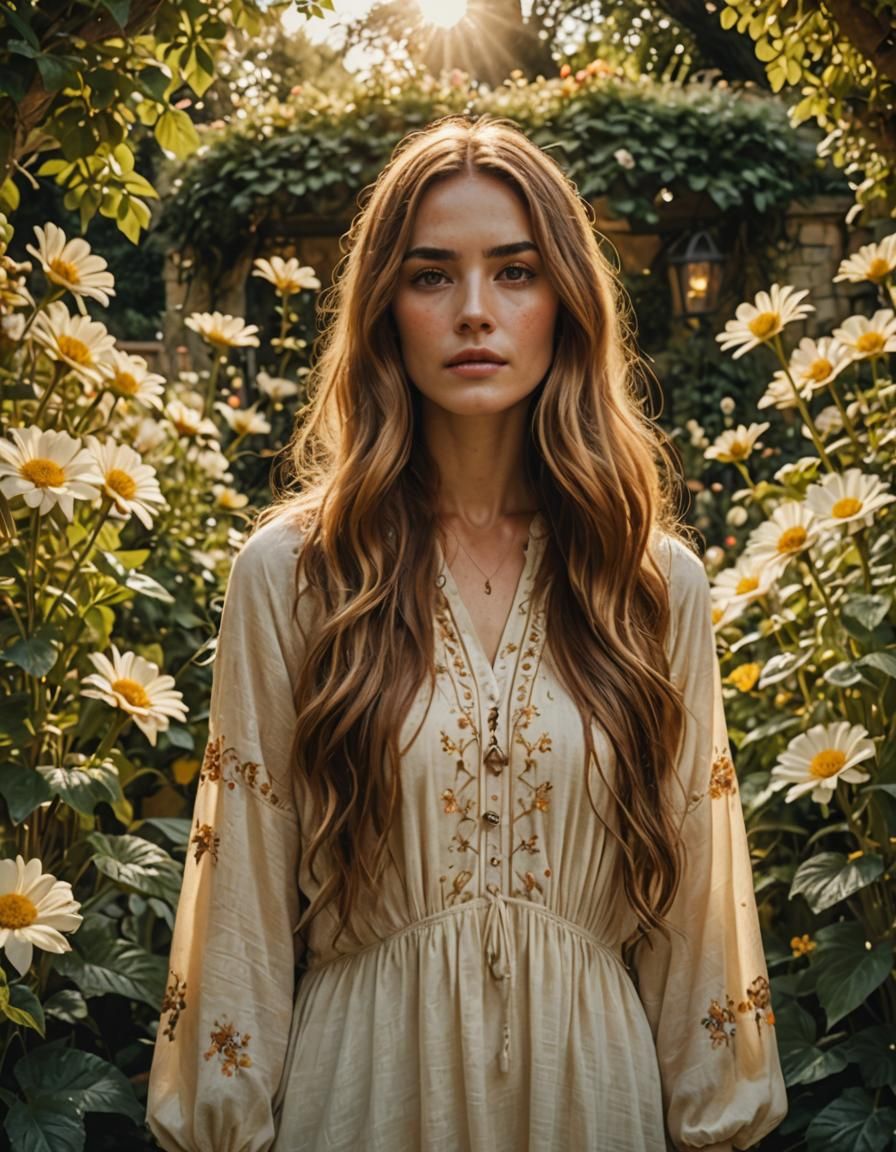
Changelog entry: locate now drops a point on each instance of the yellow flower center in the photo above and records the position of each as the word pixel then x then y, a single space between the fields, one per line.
pixel 827 763
pixel 73 349
pixel 125 384
pixel 819 370
pixel 792 540
pixel 744 678
pixel 16 910
pixel 185 427
pixel 43 473
pixel 134 693
pixel 878 269
pixel 846 507
pixel 121 483
pixel 739 449
pixel 746 584
pixel 871 343
pixel 63 270
pixel 764 325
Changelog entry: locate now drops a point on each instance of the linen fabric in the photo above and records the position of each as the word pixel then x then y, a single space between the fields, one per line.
pixel 484 1005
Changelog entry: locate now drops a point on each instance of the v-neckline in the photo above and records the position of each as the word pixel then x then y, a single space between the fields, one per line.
pixel 493 674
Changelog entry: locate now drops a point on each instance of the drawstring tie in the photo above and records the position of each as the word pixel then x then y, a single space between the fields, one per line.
pixel 499 955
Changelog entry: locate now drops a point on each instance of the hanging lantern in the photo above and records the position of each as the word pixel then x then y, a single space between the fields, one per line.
pixel 695 274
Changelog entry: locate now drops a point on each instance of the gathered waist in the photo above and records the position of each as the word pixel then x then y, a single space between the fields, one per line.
pixel 479 903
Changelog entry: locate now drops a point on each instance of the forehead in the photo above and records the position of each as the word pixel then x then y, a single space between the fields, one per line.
pixel 470 208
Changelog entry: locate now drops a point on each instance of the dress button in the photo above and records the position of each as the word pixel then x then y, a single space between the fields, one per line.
pixel 492 817
pixel 495 861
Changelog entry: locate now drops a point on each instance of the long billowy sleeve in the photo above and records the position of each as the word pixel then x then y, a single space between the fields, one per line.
pixel 222 1038
pixel 706 990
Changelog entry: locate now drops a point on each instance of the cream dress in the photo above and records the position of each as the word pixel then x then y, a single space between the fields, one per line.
pixel 488 1008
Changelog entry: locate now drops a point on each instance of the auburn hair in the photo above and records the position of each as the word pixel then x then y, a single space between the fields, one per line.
pixel 361 482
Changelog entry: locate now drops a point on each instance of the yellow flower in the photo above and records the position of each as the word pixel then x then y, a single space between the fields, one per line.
pixel 35 909
pixel 872 262
pixel 47 468
pixel 83 344
pixel 287 276
pixel 735 444
pixel 759 322
pixel 744 676
pixel 800 945
pixel 867 339
pixel 131 379
pixel 849 499
pixel 131 484
pixel 71 265
pixel 790 530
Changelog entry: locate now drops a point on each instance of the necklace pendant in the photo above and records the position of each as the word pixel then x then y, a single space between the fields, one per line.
pixel 488 588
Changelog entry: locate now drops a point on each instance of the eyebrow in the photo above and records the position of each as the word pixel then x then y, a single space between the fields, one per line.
pixel 424 253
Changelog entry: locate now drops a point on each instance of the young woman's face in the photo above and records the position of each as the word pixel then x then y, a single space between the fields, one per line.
pixel 473 282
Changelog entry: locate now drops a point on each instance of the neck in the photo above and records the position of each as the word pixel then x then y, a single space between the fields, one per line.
pixel 480 465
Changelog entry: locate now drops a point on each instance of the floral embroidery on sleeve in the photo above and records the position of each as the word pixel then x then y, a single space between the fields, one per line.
pixel 723 780
pixel 175 1002
pixel 720 1021
pixel 229 1045
pixel 206 839
pixel 221 762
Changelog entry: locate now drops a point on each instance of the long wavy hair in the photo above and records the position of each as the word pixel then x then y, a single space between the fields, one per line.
pixel 365 493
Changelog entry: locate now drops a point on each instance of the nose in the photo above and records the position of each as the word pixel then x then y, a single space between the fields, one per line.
pixel 474 313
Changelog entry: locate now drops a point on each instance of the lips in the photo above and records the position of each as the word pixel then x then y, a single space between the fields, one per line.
pixel 476 356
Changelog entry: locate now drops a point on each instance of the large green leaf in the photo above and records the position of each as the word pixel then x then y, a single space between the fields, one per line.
pixel 36 655
pixel 80 1078
pixel 23 789
pixel 848 968
pixel 67 1005
pixel 851 1124
pixel 19 1004
pixel 828 877
pixel 137 865
pixel 872 1049
pixel 44 1126
pixel 83 787
pixel 102 964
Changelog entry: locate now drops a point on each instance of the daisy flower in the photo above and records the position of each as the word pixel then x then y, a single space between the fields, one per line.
pixel 70 264
pixel 35 909
pixel 223 331
pixel 133 684
pixel 244 421
pixel 758 322
pixel 131 484
pixel 815 760
pixel 778 393
pixel 83 344
pixel 850 498
pixel 790 530
pixel 211 460
pixel 228 498
pixel 736 587
pixel 735 444
pixel 276 387
pixel 47 468
pixel 287 276
pixel 827 421
pixel 872 262
pixel 866 338
pixel 131 379
pixel 147 435
pixel 189 422
pixel 815 363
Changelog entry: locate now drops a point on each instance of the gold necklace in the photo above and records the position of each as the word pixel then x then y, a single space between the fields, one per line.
pixel 488 579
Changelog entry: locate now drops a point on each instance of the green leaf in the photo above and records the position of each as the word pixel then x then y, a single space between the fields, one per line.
pixel 868 611
pixel 848 971
pixel 24 1008
pixel 36 655
pixel 728 18
pixel 83 1079
pixel 873 1050
pixel 12 717
pixel 67 1005
pixel 119 11
pixel 101 964
pixel 883 661
pixel 83 787
pixel 44 1125
pixel 806 1063
pixel 176 133
pixel 23 789
pixel 828 878
pixel 851 1124
pixel 57 71
pixel 174 828
pixel 137 865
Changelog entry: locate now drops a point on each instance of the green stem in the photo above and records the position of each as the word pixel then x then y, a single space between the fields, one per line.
pixel 819 584
pixel 59 371
pixel 858 541
pixel 844 416
pixel 76 563
pixel 211 387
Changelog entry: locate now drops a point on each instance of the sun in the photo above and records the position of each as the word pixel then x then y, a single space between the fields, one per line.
pixel 443 13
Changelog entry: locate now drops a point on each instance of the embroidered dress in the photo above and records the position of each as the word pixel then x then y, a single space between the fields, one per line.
pixel 486 1006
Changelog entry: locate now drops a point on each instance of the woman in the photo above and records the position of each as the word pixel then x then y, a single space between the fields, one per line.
pixel 467 756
